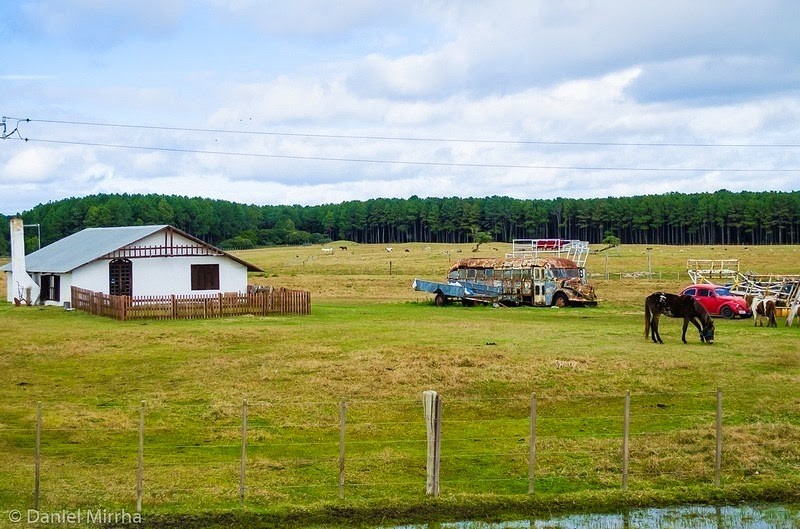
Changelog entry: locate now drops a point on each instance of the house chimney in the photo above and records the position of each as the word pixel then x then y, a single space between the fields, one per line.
pixel 27 289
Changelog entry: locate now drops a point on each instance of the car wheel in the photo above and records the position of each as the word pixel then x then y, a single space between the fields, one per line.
pixel 440 300
pixel 726 312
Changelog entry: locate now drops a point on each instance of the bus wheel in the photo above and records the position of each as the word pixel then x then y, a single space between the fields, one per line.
pixel 560 300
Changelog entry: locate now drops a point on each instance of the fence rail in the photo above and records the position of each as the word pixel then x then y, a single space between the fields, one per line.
pixel 256 453
pixel 174 307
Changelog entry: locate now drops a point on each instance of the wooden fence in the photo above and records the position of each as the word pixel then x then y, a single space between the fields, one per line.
pixel 312 451
pixel 177 307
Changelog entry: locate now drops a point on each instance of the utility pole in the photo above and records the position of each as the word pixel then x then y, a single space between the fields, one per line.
pixel 38 233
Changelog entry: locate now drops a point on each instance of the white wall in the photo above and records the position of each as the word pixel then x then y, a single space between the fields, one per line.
pixel 157 276
pixel 172 275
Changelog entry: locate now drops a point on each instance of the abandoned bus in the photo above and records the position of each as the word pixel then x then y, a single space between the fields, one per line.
pixel 537 281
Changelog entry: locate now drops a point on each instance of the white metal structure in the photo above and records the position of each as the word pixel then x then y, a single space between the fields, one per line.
pixel 575 250
pixel 783 288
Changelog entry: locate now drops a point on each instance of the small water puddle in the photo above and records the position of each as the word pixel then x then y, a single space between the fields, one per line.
pixel 689 517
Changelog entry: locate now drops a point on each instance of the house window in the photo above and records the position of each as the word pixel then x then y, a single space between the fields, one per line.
pixel 51 288
pixel 205 277
pixel 120 277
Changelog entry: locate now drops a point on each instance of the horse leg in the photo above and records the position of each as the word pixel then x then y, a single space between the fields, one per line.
pixel 654 325
pixel 685 326
pixel 699 328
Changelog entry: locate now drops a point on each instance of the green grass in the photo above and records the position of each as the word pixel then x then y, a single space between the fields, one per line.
pixel 378 354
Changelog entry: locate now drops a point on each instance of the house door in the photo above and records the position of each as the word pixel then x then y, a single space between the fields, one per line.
pixel 51 288
pixel 120 277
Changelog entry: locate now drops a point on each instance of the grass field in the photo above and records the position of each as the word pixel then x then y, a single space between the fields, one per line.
pixel 376 344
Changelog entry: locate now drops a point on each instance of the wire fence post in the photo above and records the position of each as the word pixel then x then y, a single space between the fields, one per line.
pixel 342 426
pixel 625 440
pixel 37 459
pixel 532 456
pixel 244 453
pixel 433 425
pixel 718 456
pixel 140 469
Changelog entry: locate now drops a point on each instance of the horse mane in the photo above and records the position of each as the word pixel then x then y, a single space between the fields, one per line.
pixel 702 313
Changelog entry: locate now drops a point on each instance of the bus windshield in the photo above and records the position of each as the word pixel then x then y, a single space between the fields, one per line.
pixel 566 273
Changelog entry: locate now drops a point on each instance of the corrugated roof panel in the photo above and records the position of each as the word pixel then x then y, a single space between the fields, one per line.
pixel 85 246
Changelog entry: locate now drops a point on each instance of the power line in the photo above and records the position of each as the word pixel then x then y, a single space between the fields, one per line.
pixel 409 138
pixel 409 162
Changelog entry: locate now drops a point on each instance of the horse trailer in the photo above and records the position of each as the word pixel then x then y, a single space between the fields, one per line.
pixel 537 273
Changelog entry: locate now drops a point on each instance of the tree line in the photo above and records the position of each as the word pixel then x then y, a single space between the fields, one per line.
pixel 722 217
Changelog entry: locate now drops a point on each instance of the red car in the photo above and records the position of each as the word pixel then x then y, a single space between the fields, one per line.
pixel 718 301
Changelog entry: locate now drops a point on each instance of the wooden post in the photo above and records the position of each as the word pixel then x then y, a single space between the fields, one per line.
pixel 433 425
pixel 532 457
pixel 718 457
pixel 244 453
pixel 625 438
pixel 390 268
pixel 140 470
pixel 342 425
pixel 36 458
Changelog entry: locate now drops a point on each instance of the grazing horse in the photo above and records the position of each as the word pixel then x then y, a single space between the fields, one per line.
pixel 675 306
pixel 764 308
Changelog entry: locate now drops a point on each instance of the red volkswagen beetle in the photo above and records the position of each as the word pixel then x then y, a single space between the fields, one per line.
pixel 718 301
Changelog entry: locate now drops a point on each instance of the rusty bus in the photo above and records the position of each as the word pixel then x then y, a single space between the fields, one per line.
pixel 539 272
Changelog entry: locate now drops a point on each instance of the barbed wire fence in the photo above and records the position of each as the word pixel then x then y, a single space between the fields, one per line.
pixel 249 453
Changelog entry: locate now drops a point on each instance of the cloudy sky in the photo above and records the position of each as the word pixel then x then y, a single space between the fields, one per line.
pixel 311 102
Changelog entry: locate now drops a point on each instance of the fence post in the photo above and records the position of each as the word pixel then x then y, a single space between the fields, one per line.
pixel 433 425
pixel 718 457
pixel 532 458
pixel 342 425
pixel 140 470
pixel 36 459
pixel 244 453
pixel 625 439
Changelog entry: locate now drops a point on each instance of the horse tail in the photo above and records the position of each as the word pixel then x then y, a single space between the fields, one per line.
pixel 647 316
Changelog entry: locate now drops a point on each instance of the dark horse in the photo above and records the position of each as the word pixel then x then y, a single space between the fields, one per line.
pixel 675 306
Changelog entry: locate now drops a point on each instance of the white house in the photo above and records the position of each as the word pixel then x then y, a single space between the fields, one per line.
pixel 132 261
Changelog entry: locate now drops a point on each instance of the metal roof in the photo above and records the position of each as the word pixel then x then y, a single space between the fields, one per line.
pixel 76 250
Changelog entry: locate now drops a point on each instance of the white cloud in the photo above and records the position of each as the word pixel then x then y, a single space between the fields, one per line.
pixel 336 78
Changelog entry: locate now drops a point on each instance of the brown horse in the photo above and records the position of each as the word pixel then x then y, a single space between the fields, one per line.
pixel 675 306
pixel 764 308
